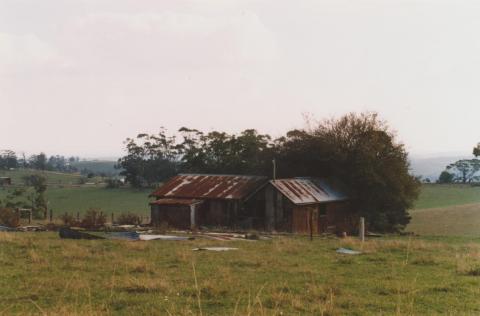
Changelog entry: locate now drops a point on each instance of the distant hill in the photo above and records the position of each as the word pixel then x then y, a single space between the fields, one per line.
pixel 432 167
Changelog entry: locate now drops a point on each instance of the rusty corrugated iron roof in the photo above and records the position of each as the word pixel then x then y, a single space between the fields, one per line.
pixel 205 186
pixel 307 191
pixel 169 201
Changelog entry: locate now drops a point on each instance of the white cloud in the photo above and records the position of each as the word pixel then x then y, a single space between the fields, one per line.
pixel 170 40
pixel 19 53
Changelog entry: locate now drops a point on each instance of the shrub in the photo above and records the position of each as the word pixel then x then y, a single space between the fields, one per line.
pixel 113 183
pixel 93 218
pixel 8 217
pixel 69 220
pixel 128 219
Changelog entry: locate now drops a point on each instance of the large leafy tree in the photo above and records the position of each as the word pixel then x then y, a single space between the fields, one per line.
pixel 150 159
pixel 219 152
pixel 39 161
pixel 360 151
pixel 465 170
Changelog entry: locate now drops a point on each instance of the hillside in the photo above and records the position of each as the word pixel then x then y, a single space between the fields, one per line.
pixel 53 177
pixel 66 194
pixel 444 195
pixel 447 210
pixel 432 167
pixel 458 220
pixel 98 166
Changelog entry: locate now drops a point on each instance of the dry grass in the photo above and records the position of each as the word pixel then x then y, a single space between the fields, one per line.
pixel 285 276
pixel 459 220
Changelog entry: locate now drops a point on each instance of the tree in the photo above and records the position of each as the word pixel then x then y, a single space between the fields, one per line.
pixel 217 152
pixel 446 177
pixel 476 150
pixel 38 161
pixel 39 184
pixel 361 152
pixel 465 170
pixel 150 159
pixel 8 160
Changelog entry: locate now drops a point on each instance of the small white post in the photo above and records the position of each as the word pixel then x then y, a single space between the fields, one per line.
pixel 192 216
pixel 362 229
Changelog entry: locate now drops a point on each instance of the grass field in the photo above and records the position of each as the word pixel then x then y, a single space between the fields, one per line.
pixel 459 220
pixel 64 194
pixel 79 199
pixel 435 195
pixel 447 210
pixel 53 178
pixel 42 274
pixel 108 200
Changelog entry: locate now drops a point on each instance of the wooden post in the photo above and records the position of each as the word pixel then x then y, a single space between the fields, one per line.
pixel 274 169
pixel 30 217
pixel 311 223
pixel 362 229
pixel 51 215
pixel 78 216
pixel 113 218
pixel 192 216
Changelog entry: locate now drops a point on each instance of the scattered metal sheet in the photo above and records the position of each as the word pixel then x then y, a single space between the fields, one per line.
pixel 203 186
pixel 6 229
pixel 68 233
pixel 163 237
pixel 123 235
pixel 346 251
pixel 215 249
pixel 32 228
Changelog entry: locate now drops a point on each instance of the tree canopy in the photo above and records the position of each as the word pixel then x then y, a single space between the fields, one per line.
pixel 465 170
pixel 361 152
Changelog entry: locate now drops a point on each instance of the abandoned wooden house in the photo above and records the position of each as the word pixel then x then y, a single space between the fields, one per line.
pixel 299 205
pixel 308 206
pixel 194 200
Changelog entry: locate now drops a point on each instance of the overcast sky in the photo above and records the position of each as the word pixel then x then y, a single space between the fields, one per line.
pixel 78 77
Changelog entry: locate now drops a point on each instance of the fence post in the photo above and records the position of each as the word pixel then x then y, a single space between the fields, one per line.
pixel 51 215
pixel 362 229
pixel 78 216
pixel 113 218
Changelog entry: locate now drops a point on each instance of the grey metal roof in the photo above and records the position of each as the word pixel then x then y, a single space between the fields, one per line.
pixel 308 190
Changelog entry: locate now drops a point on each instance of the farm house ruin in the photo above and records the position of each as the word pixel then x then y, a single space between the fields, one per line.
pixel 298 205
pixel 308 206
pixel 195 200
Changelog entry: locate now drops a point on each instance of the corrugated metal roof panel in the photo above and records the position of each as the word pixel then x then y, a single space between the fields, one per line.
pixel 202 186
pixel 307 191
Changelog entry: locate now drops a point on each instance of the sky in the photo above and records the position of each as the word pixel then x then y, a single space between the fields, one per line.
pixel 77 77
